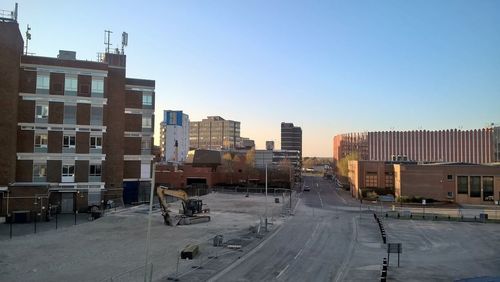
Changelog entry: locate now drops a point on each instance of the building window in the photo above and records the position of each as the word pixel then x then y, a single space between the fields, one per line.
pixel 389 180
pixel 95 142
pixel 69 141
pixel 147 98
pixel 68 170
pixel 70 85
pixel 97 87
pixel 42 111
pixel 475 186
pixel 69 114
pixel 450 195
pixel 42 81
pixel 450 177
pixel 371 180
pixel 95 170
pixel 96 115
pixel 488 188
pixel 39 170
pixel 146 122
pixel 41 140
pixel 462 185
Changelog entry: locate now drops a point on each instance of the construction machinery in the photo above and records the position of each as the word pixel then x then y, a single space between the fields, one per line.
pixel 191 212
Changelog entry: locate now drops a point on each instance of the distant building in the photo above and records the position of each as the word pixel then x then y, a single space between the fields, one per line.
pixel 74 132
pixel 470 146
pixel 291 138
pixel 270 145
pixel 174 136
pixel 246 143
pixel 214 133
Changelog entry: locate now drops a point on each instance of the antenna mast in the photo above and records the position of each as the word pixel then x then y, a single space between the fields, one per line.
pixel 28 38
pixel 107 42
pixel 124 41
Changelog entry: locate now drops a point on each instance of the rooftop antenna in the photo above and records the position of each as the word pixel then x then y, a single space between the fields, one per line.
pixel 15 13
pixel 28 37
pixel 124 41
pixel 107 42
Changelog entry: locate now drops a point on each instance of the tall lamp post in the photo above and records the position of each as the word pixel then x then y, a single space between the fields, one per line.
pixel 266 199
pixel 148 239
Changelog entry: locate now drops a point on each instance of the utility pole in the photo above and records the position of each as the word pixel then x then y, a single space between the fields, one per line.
pixel 148 238
pixel 266 199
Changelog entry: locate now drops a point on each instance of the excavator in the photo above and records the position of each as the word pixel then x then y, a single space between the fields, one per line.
pixel 191 208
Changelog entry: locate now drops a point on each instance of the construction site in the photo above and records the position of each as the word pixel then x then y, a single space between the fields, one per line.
pixel 113 248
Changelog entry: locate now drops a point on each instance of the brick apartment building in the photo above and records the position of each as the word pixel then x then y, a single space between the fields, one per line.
pixel 452 145
pixel 74 132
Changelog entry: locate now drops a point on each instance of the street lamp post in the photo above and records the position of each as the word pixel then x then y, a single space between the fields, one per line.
pixel 266 199
pixel 148 239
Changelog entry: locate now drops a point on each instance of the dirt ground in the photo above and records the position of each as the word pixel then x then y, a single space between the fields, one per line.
pixel 113 248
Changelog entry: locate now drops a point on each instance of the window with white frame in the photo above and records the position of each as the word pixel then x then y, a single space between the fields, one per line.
pixel 42 81
pixel 146 122
pixel 95 142
pixel 68 170
pixel 70 85
pixel 97 85
pixel 95 170
pixel 41 140
pixel 69 141
pixel 39 170
pixel 147 98
pixel 42 111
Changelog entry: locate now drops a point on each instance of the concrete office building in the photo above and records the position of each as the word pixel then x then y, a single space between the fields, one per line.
pixel 214 133
pixel 74 132
pixel 291 138
pixel 174 136
pixel 470 146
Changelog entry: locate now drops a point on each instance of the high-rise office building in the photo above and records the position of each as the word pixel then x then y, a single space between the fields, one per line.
pixel 291 138
pixel 174 136
pixel 214 133
pixel 74 132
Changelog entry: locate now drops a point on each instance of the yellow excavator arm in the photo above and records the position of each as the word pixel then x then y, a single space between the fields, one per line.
pixel 190 206
pixel 162 191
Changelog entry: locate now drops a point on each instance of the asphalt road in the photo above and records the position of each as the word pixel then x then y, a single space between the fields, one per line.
pixel 315 245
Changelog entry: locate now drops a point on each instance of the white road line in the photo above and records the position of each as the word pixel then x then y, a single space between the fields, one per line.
pixel 282 271
pixel 320 199
pixel 344 268
pixel 340 196
pixel 298 254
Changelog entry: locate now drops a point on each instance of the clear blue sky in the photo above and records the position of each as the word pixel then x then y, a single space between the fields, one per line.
pixel 328 66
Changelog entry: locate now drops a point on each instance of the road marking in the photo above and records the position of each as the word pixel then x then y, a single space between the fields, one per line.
pixel 244 257
pixel 282 271
pixel 298 254
pixel 344 267
pixel 340 196
pixel 320 199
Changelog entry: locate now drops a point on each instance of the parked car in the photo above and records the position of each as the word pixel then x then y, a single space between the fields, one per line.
pixel 307 188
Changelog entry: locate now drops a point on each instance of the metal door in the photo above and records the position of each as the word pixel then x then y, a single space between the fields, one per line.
pixel 67 201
